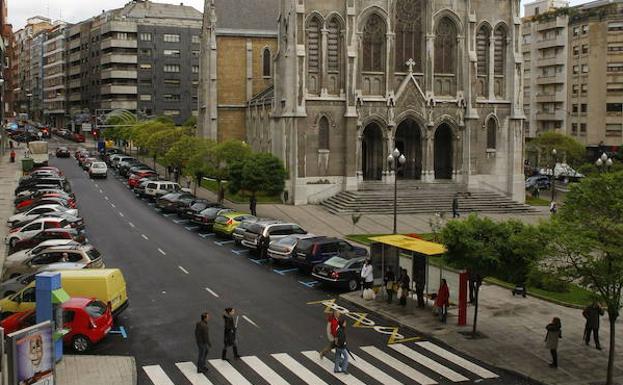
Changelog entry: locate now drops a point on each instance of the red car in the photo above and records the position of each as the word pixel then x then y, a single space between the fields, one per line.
pixel 134 179
pixel 47 200
pixel 79 138
pixel 87 319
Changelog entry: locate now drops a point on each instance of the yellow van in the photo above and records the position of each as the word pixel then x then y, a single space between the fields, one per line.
pixel 107 285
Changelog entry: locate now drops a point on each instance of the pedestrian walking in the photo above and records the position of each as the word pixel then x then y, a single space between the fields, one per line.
pixel 12 155
pixel 592 313
pixel 231 326
pixel 367 277
pixel 389 280
pixel 554 333
pixel 188 182
pixel 419 292
pixel 455 206
pixel 202 337
pixel 443 300
pixel 403 289
pixel 176 174
pixel 553 208
pixel 332 325
pixel 253 205
pixel 341 351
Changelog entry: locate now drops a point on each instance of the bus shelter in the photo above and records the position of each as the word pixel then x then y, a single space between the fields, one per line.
pixel 403 252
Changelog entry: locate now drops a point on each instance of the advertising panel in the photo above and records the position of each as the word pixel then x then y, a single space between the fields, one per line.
pixel 31 356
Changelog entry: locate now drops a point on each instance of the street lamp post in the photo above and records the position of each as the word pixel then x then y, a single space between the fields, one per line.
pixel 396 160
pixel 554 153
pixel 603 162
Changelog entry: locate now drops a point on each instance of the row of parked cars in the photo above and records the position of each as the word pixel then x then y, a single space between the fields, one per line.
pixel 333 261
pixel 69 135
pixel 46 233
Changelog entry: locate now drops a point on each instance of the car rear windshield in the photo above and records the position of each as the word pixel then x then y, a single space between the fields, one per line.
pixel 221 219
pixel 304 245
pixel 255 228
pixel 337 262
pixel 95 309
pixel 93 254
pixel 98 165
pixel 287 241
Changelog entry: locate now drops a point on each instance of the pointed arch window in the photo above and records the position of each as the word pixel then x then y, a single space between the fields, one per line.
pixel 483 44
pixel 499 50
pixel 492 129
pixel 409 37
pixel 323 133
pixel 266 63
pixel 374 44
pixel 445 47
pixel 313 44
pixel 334 44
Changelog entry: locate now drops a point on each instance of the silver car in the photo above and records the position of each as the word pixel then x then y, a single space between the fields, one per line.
pixel 13 285
pixel 282 249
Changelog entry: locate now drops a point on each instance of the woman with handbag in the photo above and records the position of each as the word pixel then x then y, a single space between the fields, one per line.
pixel 388 282
pixel 443 300
pixel 554 333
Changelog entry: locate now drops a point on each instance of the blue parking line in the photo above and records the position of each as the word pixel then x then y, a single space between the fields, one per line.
pixel 309 284
pixel 206 235
pixel 191 228
pixel 258 261
pixel 178 221
pixel 121 331
pixel 239 252
pixel 284 271
pixel 222 243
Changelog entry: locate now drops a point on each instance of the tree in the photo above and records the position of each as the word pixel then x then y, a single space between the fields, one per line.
pixel 568 149
pixel 221 158
pixel 198 163
pixel 585 241
pixel 258 172
pixel 159 142
pixel 142 131
pixel 181 152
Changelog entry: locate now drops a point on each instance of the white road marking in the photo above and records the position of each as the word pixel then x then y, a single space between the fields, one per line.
pixel 121 214
pixel 429 363
pixel 101 191
pixel 227 370
pixel 249 320
pixel 462 362
pixel 106 198
pixel 96 185
pixel 264 371
pixel 398 365
pixel 211 292
pixel 373 371
pixel 328 366
pixel 181 268
pixel 161 251
pixel 144 236
pixel 178 221
pixel 131 224
pixel 113 206
pixel 189 370
pixel 157 375
pixel 206 235
pixel 191 228
pixel 301 372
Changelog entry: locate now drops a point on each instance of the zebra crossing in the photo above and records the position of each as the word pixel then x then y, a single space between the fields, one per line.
pixel 423 363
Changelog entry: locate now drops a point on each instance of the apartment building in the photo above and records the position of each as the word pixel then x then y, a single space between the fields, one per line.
pixel 143 57
pixel 54 76
pixel 573 70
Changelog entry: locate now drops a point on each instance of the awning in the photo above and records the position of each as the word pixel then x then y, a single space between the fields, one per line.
pixel 411 244
pixel 59 296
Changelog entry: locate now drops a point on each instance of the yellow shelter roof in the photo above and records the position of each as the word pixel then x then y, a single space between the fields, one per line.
pixel 412 244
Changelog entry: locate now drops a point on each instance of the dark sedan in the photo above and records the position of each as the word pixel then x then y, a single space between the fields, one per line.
pixel 343 272
pixel 206 218
pixel 63 152
pixel 169 203
pixel 56 233
pixel 198 206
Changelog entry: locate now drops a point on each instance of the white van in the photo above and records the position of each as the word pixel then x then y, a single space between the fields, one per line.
pixel 156 189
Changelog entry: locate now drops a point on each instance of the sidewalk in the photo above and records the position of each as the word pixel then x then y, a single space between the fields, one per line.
pixel 514 332
pixel 72 370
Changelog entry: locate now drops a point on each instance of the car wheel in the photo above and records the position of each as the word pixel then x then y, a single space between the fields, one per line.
pixel 353 284
pixel 80 343
pixel 5 314
pixel 12 242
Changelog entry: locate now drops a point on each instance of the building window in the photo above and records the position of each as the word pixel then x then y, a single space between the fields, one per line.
pixel 171 38
pixel 584 68
pixel 584 89
pixel 575 109
pixel 409 37
pixel 195 83
pixel 172 52
pixel 575 89
pixel 195 39
pixel 491 134
pixel 615 26
pixel 583 108
pixel 615 67
pixel 145 66
pixel 574 128
pixel 323 133
pixel 172 82
pixel 195 69
pixel 313 44
pixel 584 29
pixel 196 53
pixel 171 97
pixel 576 31
pixel 583 128
pixel 334 45
pixel 145 98
pixel 614 47
pixel 613 129
pixel 171 112
pixel 499 61
pixel 445 47
pixel 482 49
pixel 616 108
pixel 144 52
pixel 576 69
pixel 171 68
pixel 122 36
pixel 576 50
pixel 145 36
pixel 145 82
pixel 266 61
pixel 374 44
pixel 584 49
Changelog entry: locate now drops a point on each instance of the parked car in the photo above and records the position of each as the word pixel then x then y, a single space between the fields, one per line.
pixel 135 178
pixel 195 208
pixel 282 250
pixel 34 228
pixel 86 163
pixel 77 137
pixel 62 152
pixel 205 219
pixel 239 231
pixel 34 212
pixel 74 221
pixel 156 189
pixel 41 246
pixel 313 251
pixel 98 170
pixel 116 160
pixel 543 182
pixel 110 152
pixel 21 264
pixel 340 272
pixel 169 203
pixel 26 195
pixel 259 235
pixel 29 204
pixel 51 168
pixel 13 285
pixel 47 234
pixel 125 167
pixel 139 190
pixel 45 183
pixel 226 223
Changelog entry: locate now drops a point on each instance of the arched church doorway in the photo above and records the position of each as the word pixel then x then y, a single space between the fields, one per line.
pixel 372 152
pixel 443 152
pixel 409 143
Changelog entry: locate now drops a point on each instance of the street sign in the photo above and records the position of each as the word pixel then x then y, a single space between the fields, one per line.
pixel 87 127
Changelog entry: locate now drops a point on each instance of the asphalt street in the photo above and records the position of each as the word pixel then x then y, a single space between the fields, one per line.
pixel 174 273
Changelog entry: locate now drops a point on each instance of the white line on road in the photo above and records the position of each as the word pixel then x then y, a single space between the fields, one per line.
pixel 131 224
pixel 97 185
pixel 113 206
pixel 144 236
pixel 211 292
pixel 161 251
pixel 191 228
pixel 106 197
pixel 121 214
pixel 101 191
pixel 157 375
pixel 249 320
pixel 189 370
pixel 181 268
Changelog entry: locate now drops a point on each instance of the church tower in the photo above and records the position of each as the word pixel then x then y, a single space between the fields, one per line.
pixel 208 104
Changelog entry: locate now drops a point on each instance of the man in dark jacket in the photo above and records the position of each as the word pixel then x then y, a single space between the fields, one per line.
pixel 341 351
pixel 202 337
pixel 230 333
pixel 455 206
pixel 592 313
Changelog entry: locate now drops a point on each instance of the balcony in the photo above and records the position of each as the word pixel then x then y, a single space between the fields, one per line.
pixel 550 61
pixel 119 58
pixel 75 70
pixel 74 83
pixel 556 115
pixel 74 57
pixel 559 41
pixel 75 97
pixel 74 44
pixel 551 98
pixel 119 26
pixel 554 79
pixel 560 22
pixel 119 104
pixel 109 89
pixel 117 43
pixel 118 74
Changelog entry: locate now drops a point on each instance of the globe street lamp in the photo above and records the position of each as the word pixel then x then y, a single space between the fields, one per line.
pixel 603 162
pixel 554 153
pixel 396 161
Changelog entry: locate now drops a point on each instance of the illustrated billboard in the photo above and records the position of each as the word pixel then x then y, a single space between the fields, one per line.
pixel 31 356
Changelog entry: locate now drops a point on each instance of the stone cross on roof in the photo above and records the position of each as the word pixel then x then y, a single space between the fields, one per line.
pixel 411 63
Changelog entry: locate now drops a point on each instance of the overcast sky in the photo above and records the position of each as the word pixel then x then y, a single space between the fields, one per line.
pixel 77 10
